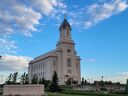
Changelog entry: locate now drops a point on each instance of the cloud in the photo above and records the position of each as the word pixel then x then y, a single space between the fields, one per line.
pixel 17 17
pixel 90 15
pixel 14 63
pixel 123 74
pixel 43 6
pixel 7 46
pixel 24 16
pixel 89 60
pixel 99 12
pixel 58 12
pixel 120 77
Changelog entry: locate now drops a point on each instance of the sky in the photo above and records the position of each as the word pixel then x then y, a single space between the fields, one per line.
pixel 29 28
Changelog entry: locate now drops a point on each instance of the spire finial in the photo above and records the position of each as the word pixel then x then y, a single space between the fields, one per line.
pixel 64 15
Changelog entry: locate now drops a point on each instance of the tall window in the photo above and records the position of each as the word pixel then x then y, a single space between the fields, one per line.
pixel 54 63
pixel 43 74
pixel 69 62
pixel 77 65
pixel 43 64
pixel 67 32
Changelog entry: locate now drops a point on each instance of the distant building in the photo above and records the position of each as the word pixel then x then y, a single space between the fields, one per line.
pixel 63 59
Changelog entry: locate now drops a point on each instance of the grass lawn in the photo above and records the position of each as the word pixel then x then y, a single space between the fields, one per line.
pixel 59 94
pixel 93 94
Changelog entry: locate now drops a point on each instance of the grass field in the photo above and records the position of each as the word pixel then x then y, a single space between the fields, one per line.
pixel 82 93
pixel 60 94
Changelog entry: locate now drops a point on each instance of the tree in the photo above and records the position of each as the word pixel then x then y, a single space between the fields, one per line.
pixel 74 82
pixel 43 80
pixel 24 78
pixel 82 82
pixel 69 81
pixel 47 82
pixel 15 77
pixel 85 82
pixel 117 83
pixel 40 81
pixel 109 82
pixel 34 79
pixel 12 78
pixel 54 87
pixel 9 79
pixel 126 88
pixel 101 83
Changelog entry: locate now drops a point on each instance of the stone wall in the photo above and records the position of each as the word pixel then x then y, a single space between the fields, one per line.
pixel 23 90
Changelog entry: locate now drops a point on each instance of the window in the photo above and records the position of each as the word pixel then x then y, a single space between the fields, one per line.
pixel 43 74
pixel 68 50
pixel 43 64
pixel 32 68
pixel 54 63
pixel 69 62
pixel 77 65
pixel 39 66
pixel 67 32
pixel 35 67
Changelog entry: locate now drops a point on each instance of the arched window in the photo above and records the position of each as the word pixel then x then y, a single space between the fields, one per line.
pixel 77 65
pixel 69 62
pixel 54 63
pixel 68 50
pixel 67 32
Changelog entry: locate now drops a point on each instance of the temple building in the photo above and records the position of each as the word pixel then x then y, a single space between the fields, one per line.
pixel 63 59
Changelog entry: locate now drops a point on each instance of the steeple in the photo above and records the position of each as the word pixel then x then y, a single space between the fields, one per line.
pixel 65 30
pixel 65 24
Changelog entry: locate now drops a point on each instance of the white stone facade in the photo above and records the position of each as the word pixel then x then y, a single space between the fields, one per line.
pixel 63 59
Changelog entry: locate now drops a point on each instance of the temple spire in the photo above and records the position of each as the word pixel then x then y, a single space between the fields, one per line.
pixel 65 29
pixel 65 32
pixel 65 24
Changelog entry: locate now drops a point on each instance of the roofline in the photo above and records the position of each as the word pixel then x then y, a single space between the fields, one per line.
pixel 34 61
